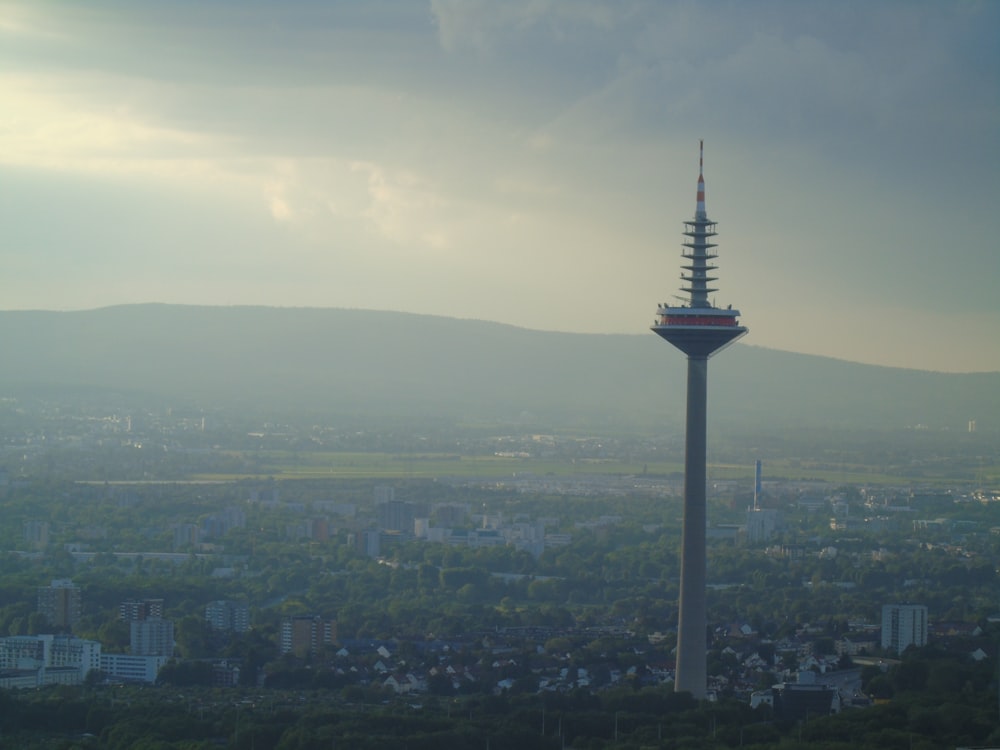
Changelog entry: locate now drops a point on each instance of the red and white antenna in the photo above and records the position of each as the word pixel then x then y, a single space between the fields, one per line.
pixel 700 212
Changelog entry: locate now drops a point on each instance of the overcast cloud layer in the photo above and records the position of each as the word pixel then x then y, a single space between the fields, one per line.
pixel 525 162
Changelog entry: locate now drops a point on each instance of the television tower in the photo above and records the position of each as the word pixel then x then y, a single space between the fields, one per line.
pixel 699 329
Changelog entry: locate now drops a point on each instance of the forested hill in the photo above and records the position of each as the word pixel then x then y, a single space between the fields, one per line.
pixel 385 364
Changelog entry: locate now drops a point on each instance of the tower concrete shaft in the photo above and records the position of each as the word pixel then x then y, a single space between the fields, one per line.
pixel 699 329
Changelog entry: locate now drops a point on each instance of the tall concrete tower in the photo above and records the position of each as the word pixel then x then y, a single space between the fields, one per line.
pixel 699 329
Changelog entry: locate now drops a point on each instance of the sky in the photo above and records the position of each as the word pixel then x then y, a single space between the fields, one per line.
pixel 528 162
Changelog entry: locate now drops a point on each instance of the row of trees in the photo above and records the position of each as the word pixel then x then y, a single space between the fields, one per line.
pixel 938 702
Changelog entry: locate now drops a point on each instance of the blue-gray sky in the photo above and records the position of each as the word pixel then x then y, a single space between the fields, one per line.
pixel 527 161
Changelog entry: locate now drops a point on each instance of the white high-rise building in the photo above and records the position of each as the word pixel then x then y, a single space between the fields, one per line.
pixel 153 637
pixel 761 524
pixel 903 625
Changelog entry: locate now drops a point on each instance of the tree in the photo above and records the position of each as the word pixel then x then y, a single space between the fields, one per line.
pixel 185 674
pixel 114 635
pixel 193 638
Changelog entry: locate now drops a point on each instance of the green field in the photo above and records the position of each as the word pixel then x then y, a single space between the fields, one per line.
pixel 336 465
pixel 320 465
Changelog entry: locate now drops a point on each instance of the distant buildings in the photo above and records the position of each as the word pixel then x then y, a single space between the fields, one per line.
pixel 131 610
pixel 154 637
pixel 132 667
pixel 306 634
pixel 795 701
pixel 219 524
pixel 384 494
pixel 903 625
pixel 32 661
pixel 37 660
pixel 149 636
pixel 522 535
pixel 450 514
pixel 60 603
pixel 228 615
pixel 761 525
pixel 369 542
pixel 313 529
pixel 36 534
pixel 396 515
pixel 186 535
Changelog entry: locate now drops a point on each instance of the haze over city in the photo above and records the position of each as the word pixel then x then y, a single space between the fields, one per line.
pixel 528 163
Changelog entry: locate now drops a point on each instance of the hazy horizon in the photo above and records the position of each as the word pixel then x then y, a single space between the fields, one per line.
pixel 527 163
pixel 741 342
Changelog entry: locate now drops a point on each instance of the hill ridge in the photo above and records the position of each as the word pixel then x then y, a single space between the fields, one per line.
pixel 341 360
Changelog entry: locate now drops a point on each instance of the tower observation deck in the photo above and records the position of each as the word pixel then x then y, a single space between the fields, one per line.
pixel 699 329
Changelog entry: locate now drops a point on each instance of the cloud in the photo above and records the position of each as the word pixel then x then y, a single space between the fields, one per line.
pixel 484 26
pixel 47 126
pixel 452 156
pixel 280 209
pixel 403 208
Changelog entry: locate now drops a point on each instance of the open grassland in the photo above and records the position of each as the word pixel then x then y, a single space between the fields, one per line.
pixel 376 465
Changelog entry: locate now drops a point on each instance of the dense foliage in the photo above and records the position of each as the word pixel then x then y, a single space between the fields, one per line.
pixel 940 702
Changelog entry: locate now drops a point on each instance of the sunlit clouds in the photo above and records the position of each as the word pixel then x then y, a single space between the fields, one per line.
pixel 47 124
pixel 525 162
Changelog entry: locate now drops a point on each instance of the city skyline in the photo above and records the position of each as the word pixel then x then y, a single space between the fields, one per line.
pixel 449 158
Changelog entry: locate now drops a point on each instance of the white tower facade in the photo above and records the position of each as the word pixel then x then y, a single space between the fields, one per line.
pixel 903 625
